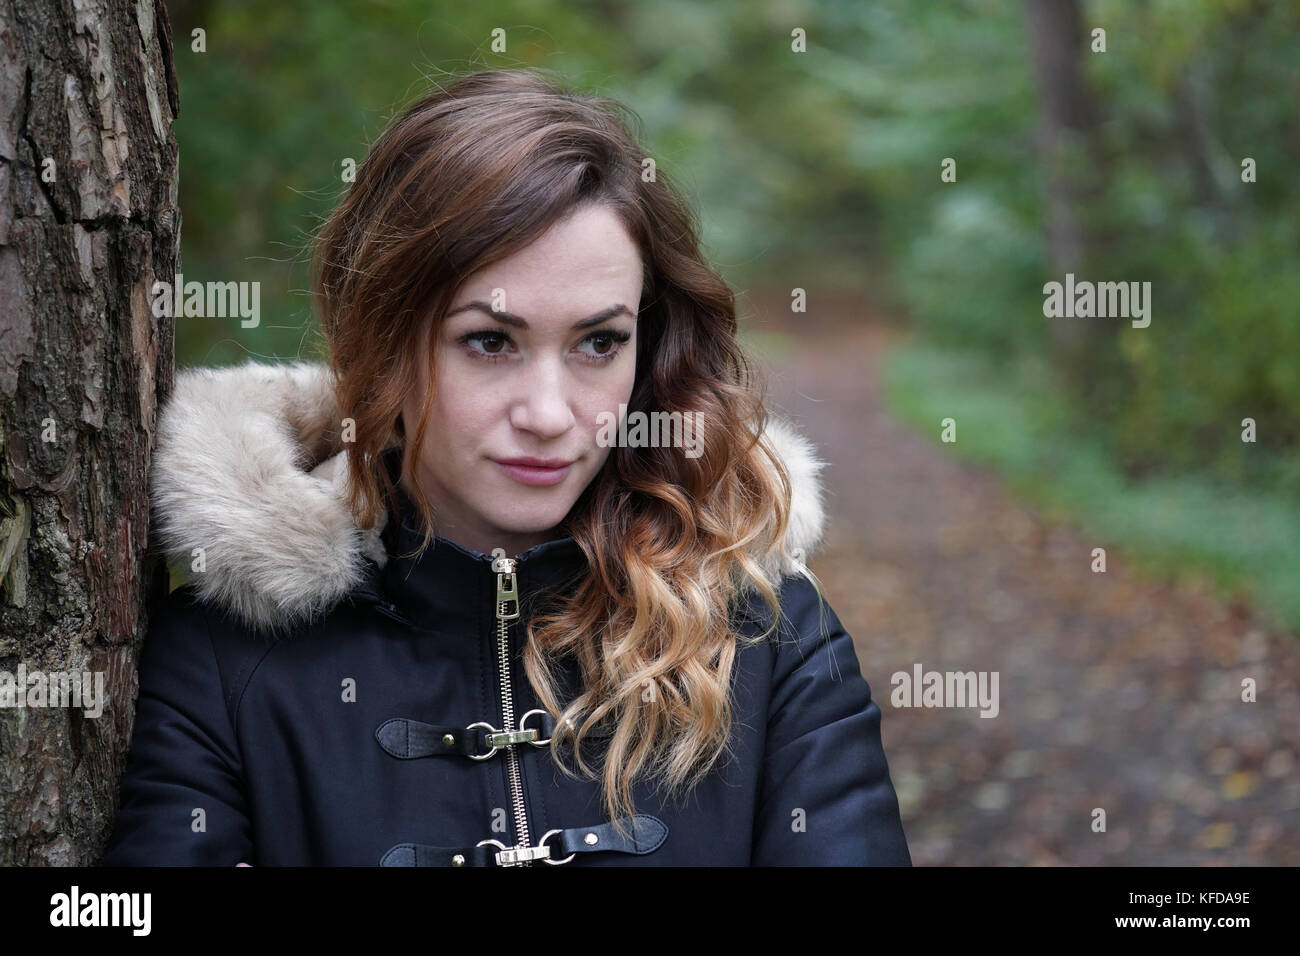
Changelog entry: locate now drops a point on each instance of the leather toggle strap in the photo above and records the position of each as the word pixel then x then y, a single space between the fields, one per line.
pixel 409 739
pixel 645 835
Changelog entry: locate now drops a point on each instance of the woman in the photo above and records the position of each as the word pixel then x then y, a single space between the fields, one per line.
pixel 454 602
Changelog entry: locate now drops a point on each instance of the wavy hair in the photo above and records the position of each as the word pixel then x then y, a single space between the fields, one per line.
pixel 469 174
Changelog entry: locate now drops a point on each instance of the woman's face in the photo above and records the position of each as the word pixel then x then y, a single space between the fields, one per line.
pixel 533 350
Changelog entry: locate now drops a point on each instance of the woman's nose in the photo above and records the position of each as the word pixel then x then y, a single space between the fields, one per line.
pixel 542 405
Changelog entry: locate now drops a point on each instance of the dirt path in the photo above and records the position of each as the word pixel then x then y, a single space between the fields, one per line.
pixel 1114 692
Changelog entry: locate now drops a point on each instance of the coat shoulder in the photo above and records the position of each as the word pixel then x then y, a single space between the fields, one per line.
pixel 810 627
pixel 808 645
pixel 194 639
pixel 824 760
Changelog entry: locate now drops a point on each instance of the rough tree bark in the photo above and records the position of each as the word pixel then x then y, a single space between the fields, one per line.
pixel 88 221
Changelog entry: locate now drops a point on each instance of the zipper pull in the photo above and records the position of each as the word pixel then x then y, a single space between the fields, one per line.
pixel 507 588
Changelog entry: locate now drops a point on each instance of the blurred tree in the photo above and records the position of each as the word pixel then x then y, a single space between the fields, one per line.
pixel 1068 118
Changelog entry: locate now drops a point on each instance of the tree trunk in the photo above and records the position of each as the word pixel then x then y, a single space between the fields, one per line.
pixel 1066 144
pixel 88 222
pixel 1193 105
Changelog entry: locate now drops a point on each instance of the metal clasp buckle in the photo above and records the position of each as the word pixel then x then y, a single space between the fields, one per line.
pixel 518 855
pixel 542 842
pixel 536 733
pixel 508 738
pixel 499 739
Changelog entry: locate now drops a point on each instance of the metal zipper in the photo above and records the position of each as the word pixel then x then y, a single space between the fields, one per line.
pixel 507 610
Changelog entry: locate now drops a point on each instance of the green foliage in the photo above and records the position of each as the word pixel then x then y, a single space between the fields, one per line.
pixel 823 168
pixel 1186 90
pixel 770 145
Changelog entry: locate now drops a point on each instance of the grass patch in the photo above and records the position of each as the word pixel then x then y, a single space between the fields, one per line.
pixel 1245 542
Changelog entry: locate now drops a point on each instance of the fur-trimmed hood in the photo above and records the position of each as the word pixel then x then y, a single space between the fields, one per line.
pixel 249 483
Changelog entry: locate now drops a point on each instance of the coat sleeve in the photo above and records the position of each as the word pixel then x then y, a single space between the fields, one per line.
pixel 183 756
pixel 826 797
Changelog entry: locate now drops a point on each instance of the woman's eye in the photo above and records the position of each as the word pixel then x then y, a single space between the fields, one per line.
pixel 486 343
pixel 605 345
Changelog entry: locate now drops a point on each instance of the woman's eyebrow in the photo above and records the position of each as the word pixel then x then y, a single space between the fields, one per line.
pixel 520 323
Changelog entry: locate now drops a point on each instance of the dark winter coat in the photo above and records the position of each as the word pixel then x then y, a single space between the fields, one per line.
pixel 361 731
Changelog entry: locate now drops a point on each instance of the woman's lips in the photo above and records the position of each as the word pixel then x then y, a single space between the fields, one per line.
pixel 536 471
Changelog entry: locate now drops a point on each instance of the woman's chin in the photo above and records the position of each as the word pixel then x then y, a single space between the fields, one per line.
pixel 533 528
pixel 532 523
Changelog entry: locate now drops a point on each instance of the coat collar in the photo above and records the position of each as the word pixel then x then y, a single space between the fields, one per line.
pixel 451 587
pixel 249 483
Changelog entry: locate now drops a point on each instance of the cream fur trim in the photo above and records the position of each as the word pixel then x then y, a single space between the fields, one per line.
pixel 249 475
